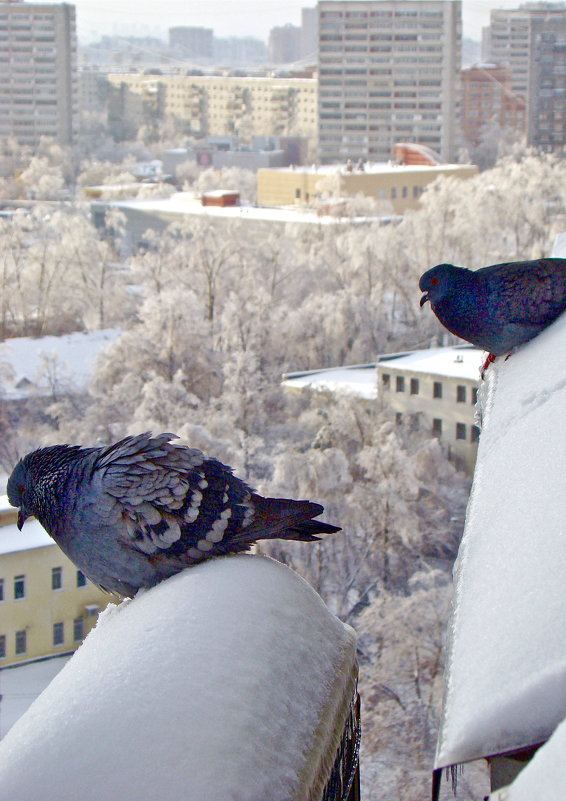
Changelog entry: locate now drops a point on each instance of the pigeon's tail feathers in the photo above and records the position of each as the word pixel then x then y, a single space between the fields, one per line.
pixel 282 518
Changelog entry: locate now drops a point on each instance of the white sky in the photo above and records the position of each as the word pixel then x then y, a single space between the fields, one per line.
pixel 225 17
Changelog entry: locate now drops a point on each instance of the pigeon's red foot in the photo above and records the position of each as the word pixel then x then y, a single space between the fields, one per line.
pixel 491 357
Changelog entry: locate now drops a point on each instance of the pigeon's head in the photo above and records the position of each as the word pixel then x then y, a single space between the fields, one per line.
pixel 440 281
pixel 32 486
pixel 21 492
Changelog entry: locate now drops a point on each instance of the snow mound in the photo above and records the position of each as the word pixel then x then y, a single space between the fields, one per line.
pixel 506 673
pixel 544 778
pixel 227 681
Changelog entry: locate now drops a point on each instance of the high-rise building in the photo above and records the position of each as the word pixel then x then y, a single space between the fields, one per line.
pixel 309 33
pixel 515 38
pixel 192 42
pixel 284 44
pixel 546 119
pixel 38 72
pixel 388 72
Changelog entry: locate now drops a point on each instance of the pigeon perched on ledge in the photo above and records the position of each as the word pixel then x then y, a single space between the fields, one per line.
pixel 143 509
pixel 497 307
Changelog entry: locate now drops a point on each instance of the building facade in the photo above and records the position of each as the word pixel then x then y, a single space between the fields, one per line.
pixel 47 606
pixel 191 42
pixel 388 72
pixel 487 98
pixel 528 40
pixel 38 72
pixel 398 186
pixel 210 104
pixel 437 389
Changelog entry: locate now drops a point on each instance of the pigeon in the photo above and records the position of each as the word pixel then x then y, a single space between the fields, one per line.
pixel 500 307
pixel 143 509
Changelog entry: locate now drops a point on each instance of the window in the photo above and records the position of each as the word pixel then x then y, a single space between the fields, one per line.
pixel 386 380
pixel 474 434
pixel 19 587
pixel 460 394
pixel 400 383
pixel 414 386
pixel 474 396
pixel 2 646
pixel 437 389
pixel 436 427
pixel 78 629
pixel 58 633
pixel 460 431
pixel 21 642
pixel 297 194
pixel 56 578
pixel 81 579
pixel 1 589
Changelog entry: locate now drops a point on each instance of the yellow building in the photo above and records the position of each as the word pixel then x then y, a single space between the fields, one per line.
pixel 399 186
pixel 217 104
pixel 436 388
pixel 47 606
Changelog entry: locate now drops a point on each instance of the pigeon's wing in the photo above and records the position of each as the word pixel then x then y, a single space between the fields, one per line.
pixel 173 499
pixel 531 293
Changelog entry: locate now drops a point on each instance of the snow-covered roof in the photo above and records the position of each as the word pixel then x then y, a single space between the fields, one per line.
pixel 75 354
pixel 506 668
pixel 33 535
pixel 458 361
pixel 358 380
pixel 229 680
pixel 375 168
pixel 187 203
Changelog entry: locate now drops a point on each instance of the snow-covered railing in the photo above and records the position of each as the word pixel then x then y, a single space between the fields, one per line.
pixel 506 669
pixel 229 680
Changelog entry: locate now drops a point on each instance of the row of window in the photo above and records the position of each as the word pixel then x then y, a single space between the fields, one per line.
pixel 58 637
pixel 19 583
pixel 461 430
pixel 437 388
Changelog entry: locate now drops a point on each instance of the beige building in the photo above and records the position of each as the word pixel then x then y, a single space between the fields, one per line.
pixel 438 389
pixel 211 104
pixel 47 606
pixel 398 186
pixel 38 72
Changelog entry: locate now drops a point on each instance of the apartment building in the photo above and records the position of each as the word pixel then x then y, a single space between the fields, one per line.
pixel 38 72
pixel 47 606
pixel 211 104
pixel 388 72
pixel 437 388
pixel 487 97
pixel 528 40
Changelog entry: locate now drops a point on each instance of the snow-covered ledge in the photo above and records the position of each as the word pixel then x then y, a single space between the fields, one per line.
pixel 230 680
pixel 506 673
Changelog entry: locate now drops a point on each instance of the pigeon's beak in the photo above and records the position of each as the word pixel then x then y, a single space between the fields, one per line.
pixel 424 299
pixel 22 517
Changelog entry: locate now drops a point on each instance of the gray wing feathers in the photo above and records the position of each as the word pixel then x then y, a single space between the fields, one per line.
pixel 152 480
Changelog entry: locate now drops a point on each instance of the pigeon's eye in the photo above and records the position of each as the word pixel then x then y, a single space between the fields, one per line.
pixel 434 281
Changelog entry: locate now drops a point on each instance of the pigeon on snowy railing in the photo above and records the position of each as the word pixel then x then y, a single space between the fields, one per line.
pixel 497 307
pixel 143 509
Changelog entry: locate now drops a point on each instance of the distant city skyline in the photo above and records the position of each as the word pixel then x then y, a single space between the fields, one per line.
pixel 226 17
